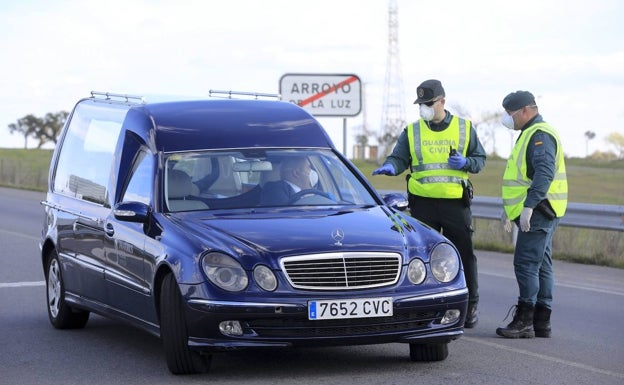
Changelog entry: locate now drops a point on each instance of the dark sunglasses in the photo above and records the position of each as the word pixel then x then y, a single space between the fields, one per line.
pixel 431 103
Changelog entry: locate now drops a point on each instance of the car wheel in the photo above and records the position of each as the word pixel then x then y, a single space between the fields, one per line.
pixel 62 316
pixel 428 352
pixel 180 358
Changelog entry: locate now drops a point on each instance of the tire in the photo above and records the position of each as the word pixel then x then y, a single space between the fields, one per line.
pixel 180 358
pixel 61 315
pixel 428 352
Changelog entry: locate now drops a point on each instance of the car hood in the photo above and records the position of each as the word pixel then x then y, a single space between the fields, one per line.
pixel 283 233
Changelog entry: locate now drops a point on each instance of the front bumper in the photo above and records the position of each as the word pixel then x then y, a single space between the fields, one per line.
pixel 415 319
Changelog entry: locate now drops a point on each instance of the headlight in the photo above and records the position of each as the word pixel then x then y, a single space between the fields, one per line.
pixel 444 262
pixel 416 271
pixel 224 271
pixel 265 278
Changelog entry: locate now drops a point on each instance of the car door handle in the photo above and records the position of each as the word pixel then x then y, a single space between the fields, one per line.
pixel 109 229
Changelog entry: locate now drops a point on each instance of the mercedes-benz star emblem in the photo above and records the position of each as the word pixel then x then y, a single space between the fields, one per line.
pixel 338 236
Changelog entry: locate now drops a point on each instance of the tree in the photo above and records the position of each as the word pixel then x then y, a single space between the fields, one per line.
pixel 27 126
pixel 51 128
pixel 44 129
pixel 362 141
pixel 485 125
pixel 616 140
pixel 589 135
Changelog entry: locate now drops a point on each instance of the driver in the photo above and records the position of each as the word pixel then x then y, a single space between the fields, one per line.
pixel 295 176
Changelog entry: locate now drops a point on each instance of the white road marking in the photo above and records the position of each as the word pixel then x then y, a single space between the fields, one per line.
pixel 13 233
pixel 566 285
pixel 21 284
pixel 545 357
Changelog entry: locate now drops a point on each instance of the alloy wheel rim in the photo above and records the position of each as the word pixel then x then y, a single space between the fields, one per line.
pixel 54 288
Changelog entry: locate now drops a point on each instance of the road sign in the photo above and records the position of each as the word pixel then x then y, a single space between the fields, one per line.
pixel 323 94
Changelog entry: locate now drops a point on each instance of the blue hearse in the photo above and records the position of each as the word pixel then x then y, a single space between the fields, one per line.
pixel 177 216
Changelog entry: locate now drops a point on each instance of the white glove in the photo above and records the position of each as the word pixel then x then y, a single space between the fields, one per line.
pixel 525 219
pixel 506 223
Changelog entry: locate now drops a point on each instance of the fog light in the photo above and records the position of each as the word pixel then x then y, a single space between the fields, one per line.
pixel 451 316
pixel 231 328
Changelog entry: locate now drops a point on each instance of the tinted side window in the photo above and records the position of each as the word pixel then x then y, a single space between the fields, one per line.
pixel 85 160
pixel 140 185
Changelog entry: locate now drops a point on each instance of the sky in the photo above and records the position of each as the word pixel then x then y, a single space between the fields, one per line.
pixel 568 53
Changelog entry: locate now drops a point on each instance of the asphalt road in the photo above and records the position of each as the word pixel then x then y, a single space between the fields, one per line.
pixel 587 345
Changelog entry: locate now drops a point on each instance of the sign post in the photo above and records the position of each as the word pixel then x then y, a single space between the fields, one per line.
pixel 324 95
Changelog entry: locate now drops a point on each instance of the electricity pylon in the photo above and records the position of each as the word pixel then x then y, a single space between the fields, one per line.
pixel 393 113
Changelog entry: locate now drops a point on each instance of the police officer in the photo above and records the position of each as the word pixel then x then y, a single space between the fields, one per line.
pixel 441 149
pixel 535 193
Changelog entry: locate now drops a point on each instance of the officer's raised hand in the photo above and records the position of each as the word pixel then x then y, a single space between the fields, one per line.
pixel 386 169
pixel 457 161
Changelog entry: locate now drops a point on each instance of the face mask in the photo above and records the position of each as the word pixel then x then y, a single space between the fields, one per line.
pixel 314 178
pixel 508 121
pixel 427 113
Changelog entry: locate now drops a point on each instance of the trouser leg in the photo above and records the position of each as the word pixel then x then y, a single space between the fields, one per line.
pixel 454 220
pixel 527 261
pixel 546 276
pixel 533 261
pixel 457 227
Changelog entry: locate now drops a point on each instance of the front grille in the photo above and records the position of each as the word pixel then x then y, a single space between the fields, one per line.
pixel 301 327
pixel 342 271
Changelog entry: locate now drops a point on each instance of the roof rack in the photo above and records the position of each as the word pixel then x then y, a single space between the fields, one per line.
pixel 118 97
pixel 229 94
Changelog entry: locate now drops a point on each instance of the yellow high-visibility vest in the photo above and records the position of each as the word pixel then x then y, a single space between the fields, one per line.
pixel 431 175
pixel 516 183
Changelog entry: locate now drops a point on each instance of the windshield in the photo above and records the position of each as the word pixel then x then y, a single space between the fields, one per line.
pixel 232 179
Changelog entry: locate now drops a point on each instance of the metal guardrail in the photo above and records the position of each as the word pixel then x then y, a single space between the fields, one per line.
pixel 581 215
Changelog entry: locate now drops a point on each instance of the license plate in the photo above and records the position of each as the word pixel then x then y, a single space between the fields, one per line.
pixel 350 308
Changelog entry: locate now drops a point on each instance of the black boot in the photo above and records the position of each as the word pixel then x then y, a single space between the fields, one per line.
pixel 522 324
pixel 541 321
pixel 472 316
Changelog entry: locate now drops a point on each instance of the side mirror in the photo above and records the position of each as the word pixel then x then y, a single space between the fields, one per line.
pixel 396 200
pixel 131 212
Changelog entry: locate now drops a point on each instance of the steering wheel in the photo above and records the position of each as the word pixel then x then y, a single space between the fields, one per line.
pixel 309 191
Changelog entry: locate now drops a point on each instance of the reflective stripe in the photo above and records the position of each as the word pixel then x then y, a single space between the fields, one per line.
pixel 462 136
pixel 516 182
pixel 431 166
pixel 441 179
pixel 512 202
pixel 416 149
pixel 559 196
